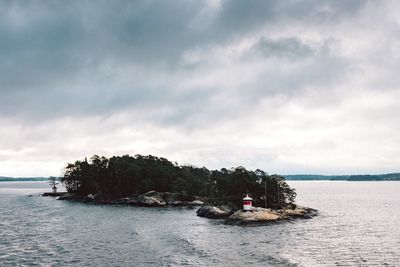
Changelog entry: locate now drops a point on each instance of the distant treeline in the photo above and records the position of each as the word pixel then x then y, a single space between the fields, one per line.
pixel 366 177
pixel 22 179
pixel 125 176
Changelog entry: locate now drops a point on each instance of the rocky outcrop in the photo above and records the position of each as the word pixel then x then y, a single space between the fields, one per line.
pixel 160 199
pixel 299 212
pixel 257 214
pixel 149 199
pixel 69 196
pixel 212 212
pixel 216 212
pixel 261 215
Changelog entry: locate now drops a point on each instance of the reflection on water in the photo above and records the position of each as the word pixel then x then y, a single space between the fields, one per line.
pixel 357 226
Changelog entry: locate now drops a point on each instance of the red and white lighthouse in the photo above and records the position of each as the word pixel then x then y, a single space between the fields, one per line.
pixel 247 203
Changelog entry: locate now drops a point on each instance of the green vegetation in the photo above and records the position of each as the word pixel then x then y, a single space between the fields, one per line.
pixel 125 176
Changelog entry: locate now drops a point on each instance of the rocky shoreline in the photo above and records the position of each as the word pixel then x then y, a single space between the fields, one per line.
pixel 229 213
pixel 149 199
pixel 256 214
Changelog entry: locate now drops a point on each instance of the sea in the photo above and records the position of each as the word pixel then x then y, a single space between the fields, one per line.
pixel 358 225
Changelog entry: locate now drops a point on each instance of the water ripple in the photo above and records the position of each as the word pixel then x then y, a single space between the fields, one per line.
pixel 353 229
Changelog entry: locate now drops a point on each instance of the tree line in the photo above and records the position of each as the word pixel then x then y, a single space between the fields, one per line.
pixel 124 176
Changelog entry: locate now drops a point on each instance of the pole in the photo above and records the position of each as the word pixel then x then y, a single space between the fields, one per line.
pixel 279 197
pixel 265 193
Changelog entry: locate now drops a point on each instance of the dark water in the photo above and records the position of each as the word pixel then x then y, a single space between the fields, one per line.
pixel 358 226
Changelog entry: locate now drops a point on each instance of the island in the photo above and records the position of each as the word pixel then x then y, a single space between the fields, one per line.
pixel 152 181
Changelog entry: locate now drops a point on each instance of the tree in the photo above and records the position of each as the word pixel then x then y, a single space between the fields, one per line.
pixel 126 176
pixel 53 181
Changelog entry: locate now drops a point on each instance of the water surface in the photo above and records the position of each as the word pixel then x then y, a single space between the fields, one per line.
pixel 357 226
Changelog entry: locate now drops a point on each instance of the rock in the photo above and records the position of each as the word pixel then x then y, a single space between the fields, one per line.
pixel 98 196
pixel 195 203
pixel 258 214
pixel 176 203
pixel 169 197
pixel 52 194
pixel 126 201
pixel 212 212
pixel 69 196
pixel 255 215
pixel 303 212
pixel 152 194
pixel 230 208
pixel 172 199
pixel 178 199
pixel 150 199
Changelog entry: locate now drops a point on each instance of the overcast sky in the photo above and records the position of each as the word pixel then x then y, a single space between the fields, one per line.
pixel 285 86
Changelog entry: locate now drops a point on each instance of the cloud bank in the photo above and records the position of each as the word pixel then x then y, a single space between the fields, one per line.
pixel 286 86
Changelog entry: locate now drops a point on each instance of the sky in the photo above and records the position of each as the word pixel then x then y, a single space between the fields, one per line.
pixel 286 86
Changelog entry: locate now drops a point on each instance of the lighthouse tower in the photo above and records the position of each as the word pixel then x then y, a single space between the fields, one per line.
pixel 247 203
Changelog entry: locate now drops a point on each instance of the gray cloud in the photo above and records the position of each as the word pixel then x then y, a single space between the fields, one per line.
pixel 182 71
pixel 60 58
pixel 290 48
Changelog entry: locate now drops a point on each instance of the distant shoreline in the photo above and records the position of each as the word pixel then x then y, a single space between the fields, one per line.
pixel 366 177
pixel 24 179
pixel 293 177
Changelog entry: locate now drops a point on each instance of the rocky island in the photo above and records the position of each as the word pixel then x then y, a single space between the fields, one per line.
pixel 151 181
pixel 256 214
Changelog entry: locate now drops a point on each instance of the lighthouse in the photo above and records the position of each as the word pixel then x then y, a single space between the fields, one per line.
pixel 247 203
